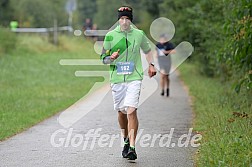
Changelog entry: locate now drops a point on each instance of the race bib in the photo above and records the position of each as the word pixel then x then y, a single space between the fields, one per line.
pixel 125 68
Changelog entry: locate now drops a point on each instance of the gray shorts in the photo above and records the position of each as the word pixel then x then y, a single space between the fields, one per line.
pixel 164 63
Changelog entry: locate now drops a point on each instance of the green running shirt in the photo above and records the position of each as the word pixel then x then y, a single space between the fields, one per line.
pixel 129 44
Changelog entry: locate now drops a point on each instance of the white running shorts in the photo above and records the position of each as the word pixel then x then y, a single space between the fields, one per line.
pixel 126 95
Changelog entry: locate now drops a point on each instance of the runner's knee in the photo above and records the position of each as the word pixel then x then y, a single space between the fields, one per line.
pixel 132 113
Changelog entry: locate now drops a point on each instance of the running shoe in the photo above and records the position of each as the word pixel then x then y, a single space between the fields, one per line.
pixel 125 149
pixel 162 93
pixel 132 154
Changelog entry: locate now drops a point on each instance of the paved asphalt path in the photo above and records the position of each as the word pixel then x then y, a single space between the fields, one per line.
pixel 50 144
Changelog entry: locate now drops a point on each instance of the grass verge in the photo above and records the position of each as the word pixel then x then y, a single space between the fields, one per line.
pixel 34 86
pixel 222 117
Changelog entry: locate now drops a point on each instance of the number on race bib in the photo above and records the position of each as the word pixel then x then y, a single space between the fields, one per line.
pixel 125 68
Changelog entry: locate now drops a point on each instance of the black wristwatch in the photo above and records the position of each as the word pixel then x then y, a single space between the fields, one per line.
pixel 152 64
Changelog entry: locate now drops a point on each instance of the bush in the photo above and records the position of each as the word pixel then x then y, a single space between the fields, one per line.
pixel 238 51
pixel 8 41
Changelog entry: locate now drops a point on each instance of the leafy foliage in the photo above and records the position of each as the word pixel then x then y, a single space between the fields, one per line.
pixel 106 13
pixel 8 41
pixel 5 12
pixel 238 51
pixel 87 9
pixel 38 13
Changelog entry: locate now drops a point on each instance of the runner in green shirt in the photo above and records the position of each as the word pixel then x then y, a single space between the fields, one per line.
pixel 121 49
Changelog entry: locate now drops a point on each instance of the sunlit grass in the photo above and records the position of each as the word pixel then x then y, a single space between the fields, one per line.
pixel 222 117
pixel 34 86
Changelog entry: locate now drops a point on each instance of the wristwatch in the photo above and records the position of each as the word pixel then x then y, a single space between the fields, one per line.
pixel 152 64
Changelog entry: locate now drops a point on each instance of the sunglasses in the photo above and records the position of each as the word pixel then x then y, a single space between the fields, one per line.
pixel 124 9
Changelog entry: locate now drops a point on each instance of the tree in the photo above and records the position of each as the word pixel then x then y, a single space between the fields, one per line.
pixel 237 51
pixel 87 9
pixel 152 7
pixel 5 12
pixel 36 13
pixel 106 15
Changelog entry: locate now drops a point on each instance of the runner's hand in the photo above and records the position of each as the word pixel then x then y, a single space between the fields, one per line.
pixel 152 71
pixel 115 55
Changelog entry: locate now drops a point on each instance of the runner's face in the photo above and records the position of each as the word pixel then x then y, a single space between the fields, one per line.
pixel 124 22
pixel 162 40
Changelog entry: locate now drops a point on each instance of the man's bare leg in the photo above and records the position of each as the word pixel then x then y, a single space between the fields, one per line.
pixel 132 125
pixel 132 132
pixel 123 122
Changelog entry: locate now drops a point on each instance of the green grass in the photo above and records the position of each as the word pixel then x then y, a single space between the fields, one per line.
pixel 222 117
pixel 34 86
pixel 7 41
